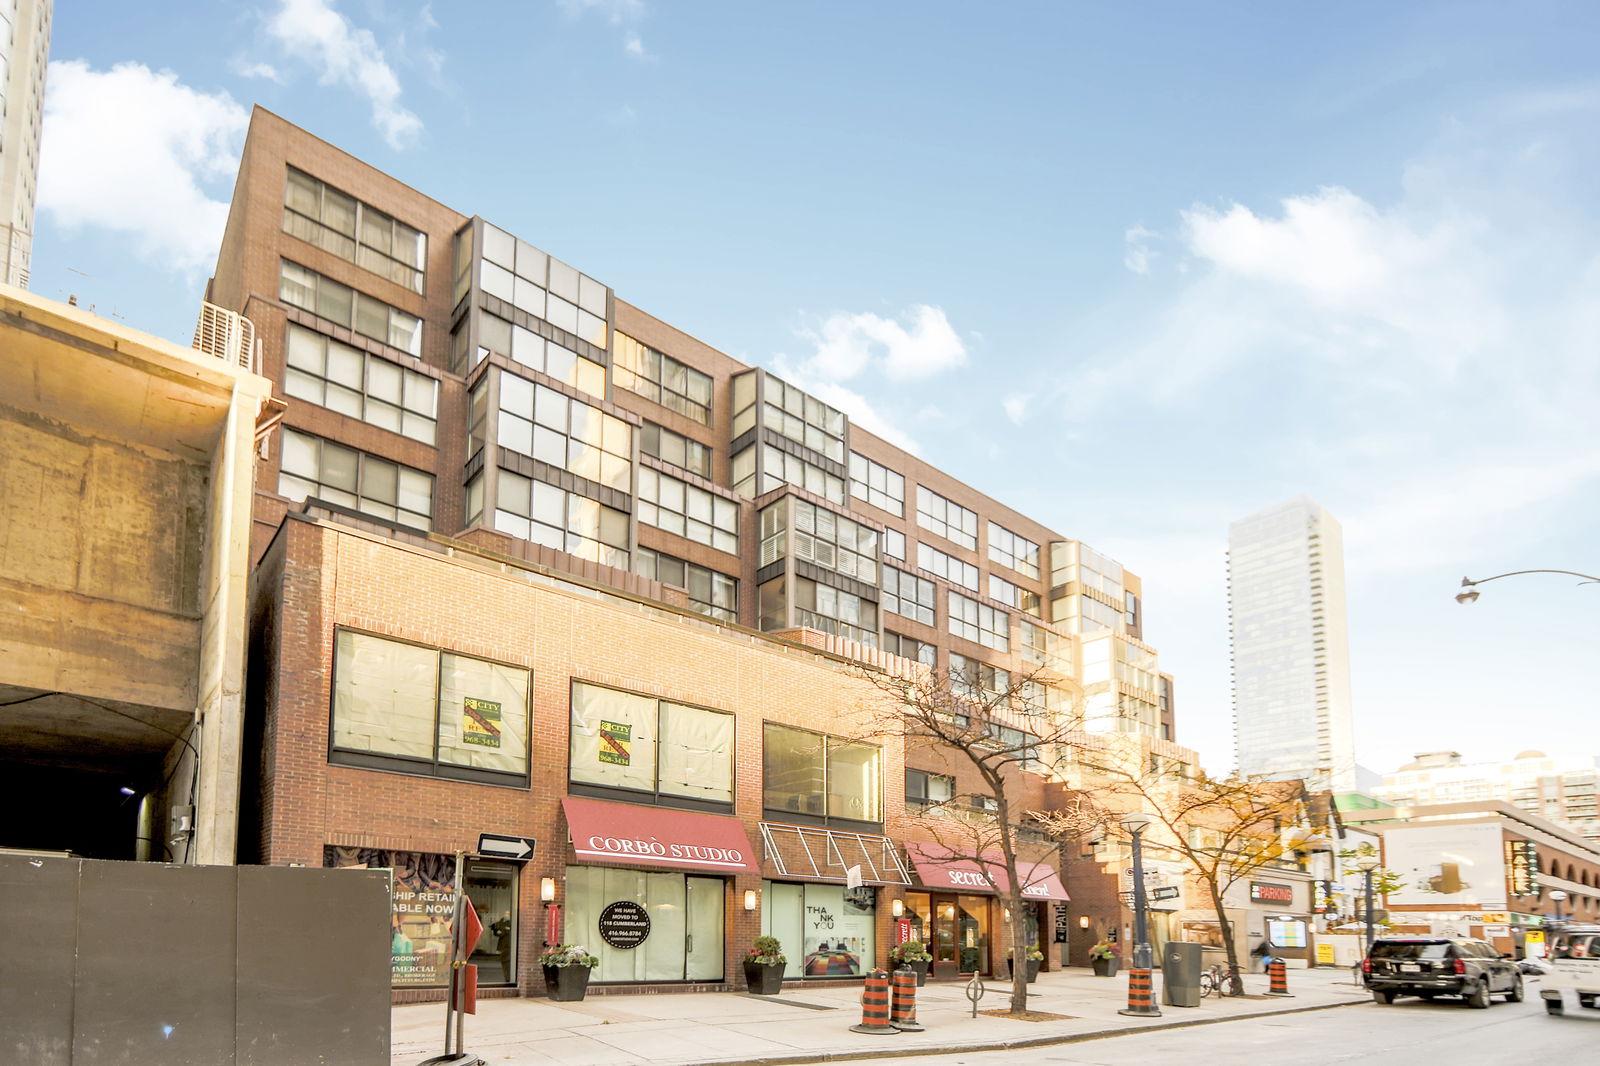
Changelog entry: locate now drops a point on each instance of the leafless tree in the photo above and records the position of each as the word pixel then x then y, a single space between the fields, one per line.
pixel 1002 730
pixel 1223 828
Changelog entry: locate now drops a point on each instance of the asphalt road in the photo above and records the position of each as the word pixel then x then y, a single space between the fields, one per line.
pixel 1406 1033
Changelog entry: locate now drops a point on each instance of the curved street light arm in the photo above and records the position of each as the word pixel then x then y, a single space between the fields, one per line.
pixel 1467 582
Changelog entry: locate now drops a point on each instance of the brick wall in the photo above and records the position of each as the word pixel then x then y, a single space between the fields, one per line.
pixel 316 577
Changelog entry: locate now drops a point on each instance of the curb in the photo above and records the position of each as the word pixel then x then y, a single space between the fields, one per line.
pixel 791 1059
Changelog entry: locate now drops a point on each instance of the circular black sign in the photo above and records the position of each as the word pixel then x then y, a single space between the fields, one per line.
pixel 624 924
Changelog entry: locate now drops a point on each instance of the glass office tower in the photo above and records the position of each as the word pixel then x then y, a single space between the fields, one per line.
pixel 1291 647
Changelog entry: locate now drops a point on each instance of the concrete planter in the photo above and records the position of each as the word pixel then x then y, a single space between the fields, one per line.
pixel 566 984
pixel 918 967
pixel 1105 967
pixel 1033 969
pixel 764 978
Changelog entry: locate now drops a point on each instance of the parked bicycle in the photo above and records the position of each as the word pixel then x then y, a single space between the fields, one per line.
pixel 1217 981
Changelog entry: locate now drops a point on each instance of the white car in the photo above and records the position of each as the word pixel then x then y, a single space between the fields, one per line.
pixel 1574 966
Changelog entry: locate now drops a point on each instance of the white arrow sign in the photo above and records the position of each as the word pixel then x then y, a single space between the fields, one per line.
pixel 504 847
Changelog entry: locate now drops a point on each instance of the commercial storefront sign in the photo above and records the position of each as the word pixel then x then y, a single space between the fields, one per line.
pixel 656 836
pixel 624 924
pixel 939 867
pixel 1522 862
pixel 1267 892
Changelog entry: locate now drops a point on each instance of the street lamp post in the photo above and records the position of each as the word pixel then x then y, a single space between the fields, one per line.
pixel 1470 594
pixel 1140 1003
pixel 1367 866
pixel 1556 896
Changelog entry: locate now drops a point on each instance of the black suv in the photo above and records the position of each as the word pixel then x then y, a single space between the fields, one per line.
pixel 1429 966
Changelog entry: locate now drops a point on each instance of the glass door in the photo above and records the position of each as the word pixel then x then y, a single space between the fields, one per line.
pixel 972 933
pixel 704 933
pixel 492 891
pixel 944 943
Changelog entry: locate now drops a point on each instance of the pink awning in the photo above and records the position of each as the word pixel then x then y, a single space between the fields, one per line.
pixel 939 869
pixel 657 836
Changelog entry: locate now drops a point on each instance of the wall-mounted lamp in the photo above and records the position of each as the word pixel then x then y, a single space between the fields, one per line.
pixel 749 899
pixel 547 889
pixel 1083 921
pixel 897 908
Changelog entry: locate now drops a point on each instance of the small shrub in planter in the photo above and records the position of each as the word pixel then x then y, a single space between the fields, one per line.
pixel 763 966
pixel 914 956
pixel 1105 957
pixel 566 972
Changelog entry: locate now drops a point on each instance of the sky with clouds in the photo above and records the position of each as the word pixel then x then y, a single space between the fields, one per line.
pixel 1137 270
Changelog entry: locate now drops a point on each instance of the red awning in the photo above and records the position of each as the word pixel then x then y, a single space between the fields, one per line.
pixel 938 869
pixel 656 836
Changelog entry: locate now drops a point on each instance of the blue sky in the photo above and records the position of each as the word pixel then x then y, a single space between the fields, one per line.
pixel 1137 270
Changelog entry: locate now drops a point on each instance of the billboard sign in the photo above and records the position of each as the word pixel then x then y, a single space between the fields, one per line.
pixel 1455 866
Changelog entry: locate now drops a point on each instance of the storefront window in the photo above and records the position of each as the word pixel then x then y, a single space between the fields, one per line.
pixel 1286 933
pixel 677 754
pixel 492 889
pixel 826 930
pixel 826 778
pixel 423 891
pixel 684 940
pixel 416 709
pixel 1203 932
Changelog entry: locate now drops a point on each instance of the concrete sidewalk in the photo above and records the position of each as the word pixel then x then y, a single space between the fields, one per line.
pixel 812 1023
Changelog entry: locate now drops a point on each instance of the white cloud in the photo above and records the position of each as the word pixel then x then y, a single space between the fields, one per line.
pixel 1458 517
pixel 1136 253
pixel 264 71
pixel 1421 363
pixel 620 13
pixel 846 346
pixel 860 412
pixel 344 54
pixel 129 150
pixel 920 345
pixel 1016 407
pixel 1417 273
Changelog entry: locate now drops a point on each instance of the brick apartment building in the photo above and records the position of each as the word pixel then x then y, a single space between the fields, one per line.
pixel 535 563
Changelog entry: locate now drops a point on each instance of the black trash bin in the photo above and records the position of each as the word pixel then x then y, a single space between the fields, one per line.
pixel 1180 974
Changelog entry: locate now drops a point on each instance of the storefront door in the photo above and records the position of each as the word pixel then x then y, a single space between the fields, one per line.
pixel 492 890
pixel 955 929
